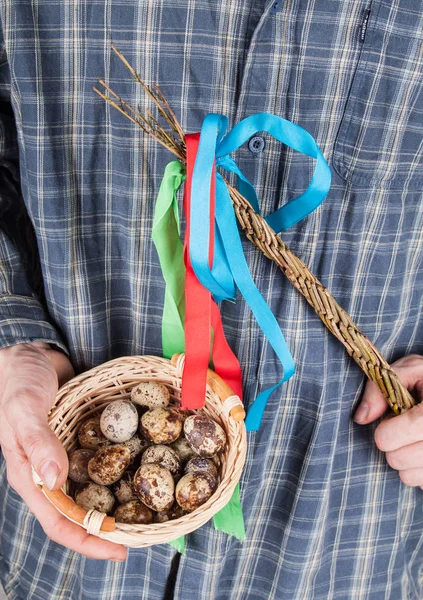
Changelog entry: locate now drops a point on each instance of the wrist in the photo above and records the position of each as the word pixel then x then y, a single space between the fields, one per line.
pixel 9 353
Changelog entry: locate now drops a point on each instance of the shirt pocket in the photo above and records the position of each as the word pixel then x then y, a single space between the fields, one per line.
pixel 380 138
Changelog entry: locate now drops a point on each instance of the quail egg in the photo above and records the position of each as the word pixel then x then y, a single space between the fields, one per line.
pixel 205 436
pixel 97 497
pixel 193 490
pixel 124 489
pixel 161 425
pixel 119 421
pixel 151 394
pixel 137 444
pixel 90 435
pixel 109 464
pixel 174 512
pixel 183 449
pixel 78 465
pixel 155 486
pixel 133 511
pixel 205 465
pixel 162 455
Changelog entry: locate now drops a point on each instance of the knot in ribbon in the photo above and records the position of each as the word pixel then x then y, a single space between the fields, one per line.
pixel 214 246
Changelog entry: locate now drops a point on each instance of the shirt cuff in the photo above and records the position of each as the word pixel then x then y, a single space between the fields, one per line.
pixel 23 320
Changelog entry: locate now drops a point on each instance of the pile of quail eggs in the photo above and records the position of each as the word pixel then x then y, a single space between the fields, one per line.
pixel 143 460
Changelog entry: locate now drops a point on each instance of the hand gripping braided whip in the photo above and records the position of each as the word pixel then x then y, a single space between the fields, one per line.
pixel 336 319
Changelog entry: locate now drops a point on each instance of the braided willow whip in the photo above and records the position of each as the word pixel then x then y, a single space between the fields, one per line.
pixel 336 319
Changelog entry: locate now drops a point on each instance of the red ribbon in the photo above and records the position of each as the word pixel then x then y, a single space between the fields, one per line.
pixel 202 313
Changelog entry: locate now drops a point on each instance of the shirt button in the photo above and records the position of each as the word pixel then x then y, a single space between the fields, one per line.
pixel 256 144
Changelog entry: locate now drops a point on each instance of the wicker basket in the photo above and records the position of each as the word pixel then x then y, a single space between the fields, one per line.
pixel 88 393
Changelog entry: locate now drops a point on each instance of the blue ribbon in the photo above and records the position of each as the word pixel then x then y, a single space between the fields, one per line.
pixel 229 266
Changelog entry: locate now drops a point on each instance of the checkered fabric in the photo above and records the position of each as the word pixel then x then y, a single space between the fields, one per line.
pixel 325 515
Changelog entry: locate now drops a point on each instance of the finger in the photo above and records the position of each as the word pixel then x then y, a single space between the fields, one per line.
pixel 39 444
pixel 410 372
pixel 412 477
pixel 407 457
pixel 57 527
pixel 372 406
pixel 411 367
pixel 401 430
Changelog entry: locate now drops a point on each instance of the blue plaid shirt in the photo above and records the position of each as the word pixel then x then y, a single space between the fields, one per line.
pixel 326 517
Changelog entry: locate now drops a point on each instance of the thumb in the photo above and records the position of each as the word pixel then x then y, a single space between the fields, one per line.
pixel 44 451
pixel 372 406
pixel 29 387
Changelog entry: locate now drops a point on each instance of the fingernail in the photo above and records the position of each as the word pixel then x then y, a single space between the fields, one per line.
pixel 119 560
pixel 361 413
pixel 49 473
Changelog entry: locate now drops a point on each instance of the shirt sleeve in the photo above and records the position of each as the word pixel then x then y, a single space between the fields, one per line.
pixel 23 314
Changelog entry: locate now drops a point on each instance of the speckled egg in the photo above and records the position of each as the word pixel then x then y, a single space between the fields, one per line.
pixel 95 496
pixel 183 449
pixel 124 489
pixel 78 465
pixel 109 464
pixel 163 455
pixel 119 421
pixel 151 394
pixel 174 512
pixel 193 490
pixel 205 465
pixel 90 435
pixel 161 425
pixel 137 444
pixel 133 512
pixel 155 486
pixel 183 414
pixel 205 436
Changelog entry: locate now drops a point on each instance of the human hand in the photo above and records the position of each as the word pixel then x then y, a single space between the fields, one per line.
pixel 30 375
pixel 400 437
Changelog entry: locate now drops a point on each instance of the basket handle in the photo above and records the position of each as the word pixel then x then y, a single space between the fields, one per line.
pixel 221 388
pixel 71 510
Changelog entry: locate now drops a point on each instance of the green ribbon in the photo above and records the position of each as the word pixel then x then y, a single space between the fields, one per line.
pixel 230 519
pixel 178 544
pixel 169 247
pixel 166 238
